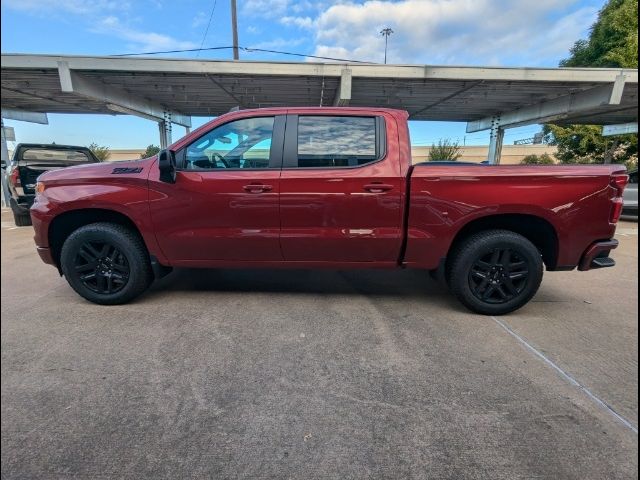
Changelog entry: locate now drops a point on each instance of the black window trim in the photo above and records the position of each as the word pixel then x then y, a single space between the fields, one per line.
pixel 275 152
pixel 290 154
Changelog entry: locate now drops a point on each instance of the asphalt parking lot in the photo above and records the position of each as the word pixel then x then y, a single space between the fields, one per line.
pixel 317 374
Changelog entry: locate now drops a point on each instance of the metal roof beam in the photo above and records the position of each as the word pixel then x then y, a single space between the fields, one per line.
pixel 343 95
pixel 116 99
pixel 25 116
pixel 221 67
pixel 556 109
pixel 620 129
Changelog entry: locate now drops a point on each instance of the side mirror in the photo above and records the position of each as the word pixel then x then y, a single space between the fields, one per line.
pixel 167 166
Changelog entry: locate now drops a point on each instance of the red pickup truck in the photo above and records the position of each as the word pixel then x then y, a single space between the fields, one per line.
pixel 323 187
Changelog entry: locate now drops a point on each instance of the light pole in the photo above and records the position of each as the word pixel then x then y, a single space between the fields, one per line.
pixel 385 32
pixel 234 28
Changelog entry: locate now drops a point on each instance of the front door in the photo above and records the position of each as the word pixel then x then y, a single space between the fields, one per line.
pixel 224 203
pixel 340 189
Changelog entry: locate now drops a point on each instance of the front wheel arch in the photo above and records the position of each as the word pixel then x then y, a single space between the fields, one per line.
pixel 68 222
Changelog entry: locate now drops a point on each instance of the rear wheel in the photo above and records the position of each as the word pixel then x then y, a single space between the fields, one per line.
pixel 22 219
pixel 495 272
pixel 106 263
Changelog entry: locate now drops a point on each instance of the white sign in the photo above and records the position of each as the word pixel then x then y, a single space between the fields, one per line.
pixel 9 134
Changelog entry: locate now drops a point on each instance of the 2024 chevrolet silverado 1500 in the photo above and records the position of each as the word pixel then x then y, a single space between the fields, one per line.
pixel 323 187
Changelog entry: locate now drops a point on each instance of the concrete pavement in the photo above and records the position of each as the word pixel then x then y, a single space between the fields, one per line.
pixel 316 374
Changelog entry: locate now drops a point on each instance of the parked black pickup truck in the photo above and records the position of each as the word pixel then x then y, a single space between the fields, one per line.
pixel 29 161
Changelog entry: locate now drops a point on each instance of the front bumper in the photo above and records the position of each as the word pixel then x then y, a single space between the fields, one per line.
pixel 597 255
pixel 45 255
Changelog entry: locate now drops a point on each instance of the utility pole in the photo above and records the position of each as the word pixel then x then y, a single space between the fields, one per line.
pixel 385 32
pixel 234 27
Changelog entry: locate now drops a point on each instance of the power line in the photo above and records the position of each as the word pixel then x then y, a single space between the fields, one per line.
pixel 204 37
pixel 245 49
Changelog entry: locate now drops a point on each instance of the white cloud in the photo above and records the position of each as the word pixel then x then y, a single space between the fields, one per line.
pixel 265 8
pixel 201 18
pixel 451 31
pixel 279 43
pixel 300 22
pixel 142 40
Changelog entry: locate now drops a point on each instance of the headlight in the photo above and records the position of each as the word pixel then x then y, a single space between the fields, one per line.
pixel 39 188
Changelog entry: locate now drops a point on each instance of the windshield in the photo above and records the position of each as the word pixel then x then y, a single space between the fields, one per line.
pixel 54 155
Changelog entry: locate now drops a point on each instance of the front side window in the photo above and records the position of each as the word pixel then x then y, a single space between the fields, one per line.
pixel 325 141
pixel 242 143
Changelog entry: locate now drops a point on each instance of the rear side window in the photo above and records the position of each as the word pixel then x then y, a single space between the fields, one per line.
pixel 327 141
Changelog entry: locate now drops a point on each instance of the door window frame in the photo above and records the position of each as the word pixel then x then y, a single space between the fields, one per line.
pixel 290 152
pixel 275 151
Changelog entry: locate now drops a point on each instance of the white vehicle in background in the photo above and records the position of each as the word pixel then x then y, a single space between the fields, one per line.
pixel 630 195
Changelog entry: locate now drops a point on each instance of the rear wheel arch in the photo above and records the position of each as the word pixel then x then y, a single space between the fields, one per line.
pixel 68 222
pixel 534 228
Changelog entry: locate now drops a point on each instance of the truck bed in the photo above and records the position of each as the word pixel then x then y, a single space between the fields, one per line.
pixel 444 199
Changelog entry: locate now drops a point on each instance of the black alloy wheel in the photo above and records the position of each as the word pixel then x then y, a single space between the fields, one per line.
pixel 106 263
pixel 494 272
pixel 499 276
pixel 102 267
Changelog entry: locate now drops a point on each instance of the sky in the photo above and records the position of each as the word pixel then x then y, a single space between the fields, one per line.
pixel 512 33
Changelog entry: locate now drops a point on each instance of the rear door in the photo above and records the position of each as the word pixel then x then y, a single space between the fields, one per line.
pixel 224 203
pixel 341 189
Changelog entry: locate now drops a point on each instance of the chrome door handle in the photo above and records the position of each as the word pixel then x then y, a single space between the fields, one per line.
pixel 378 187
pixel 257 188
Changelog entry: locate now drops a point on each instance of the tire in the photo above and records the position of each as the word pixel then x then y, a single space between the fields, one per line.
pixel 495 272
pixel 106 263
pixel 22 219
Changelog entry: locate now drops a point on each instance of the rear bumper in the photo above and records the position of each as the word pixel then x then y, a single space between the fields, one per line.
pixel 597 255
pixel 21 205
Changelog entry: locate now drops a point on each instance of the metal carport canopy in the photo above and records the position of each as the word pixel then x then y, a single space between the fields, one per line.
pixel 172 90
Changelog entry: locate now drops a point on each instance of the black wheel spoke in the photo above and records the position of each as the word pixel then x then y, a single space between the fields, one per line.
pixel 518 275
pixel 120 268
pixel 483 265
pixel 510 286
pixel 101 283
pixel 501 291
pixel 481 275
pixel 86 266
pixel 487 293
pixel 514 265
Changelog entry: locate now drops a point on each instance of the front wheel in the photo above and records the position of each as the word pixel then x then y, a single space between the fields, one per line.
pixel 106 263
pixel 495 272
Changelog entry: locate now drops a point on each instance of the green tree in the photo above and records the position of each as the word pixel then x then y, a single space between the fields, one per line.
pixel 613 39
pixel 544 159
pixel 103 153
pixel 612 42
pixel 150 151
pixel 445 151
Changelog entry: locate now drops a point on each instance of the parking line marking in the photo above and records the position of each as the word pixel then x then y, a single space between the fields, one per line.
pixel 567 377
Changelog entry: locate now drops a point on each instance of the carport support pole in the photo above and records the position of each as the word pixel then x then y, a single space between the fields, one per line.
pixel 164 128
pixel 5 163
pixel 496 139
